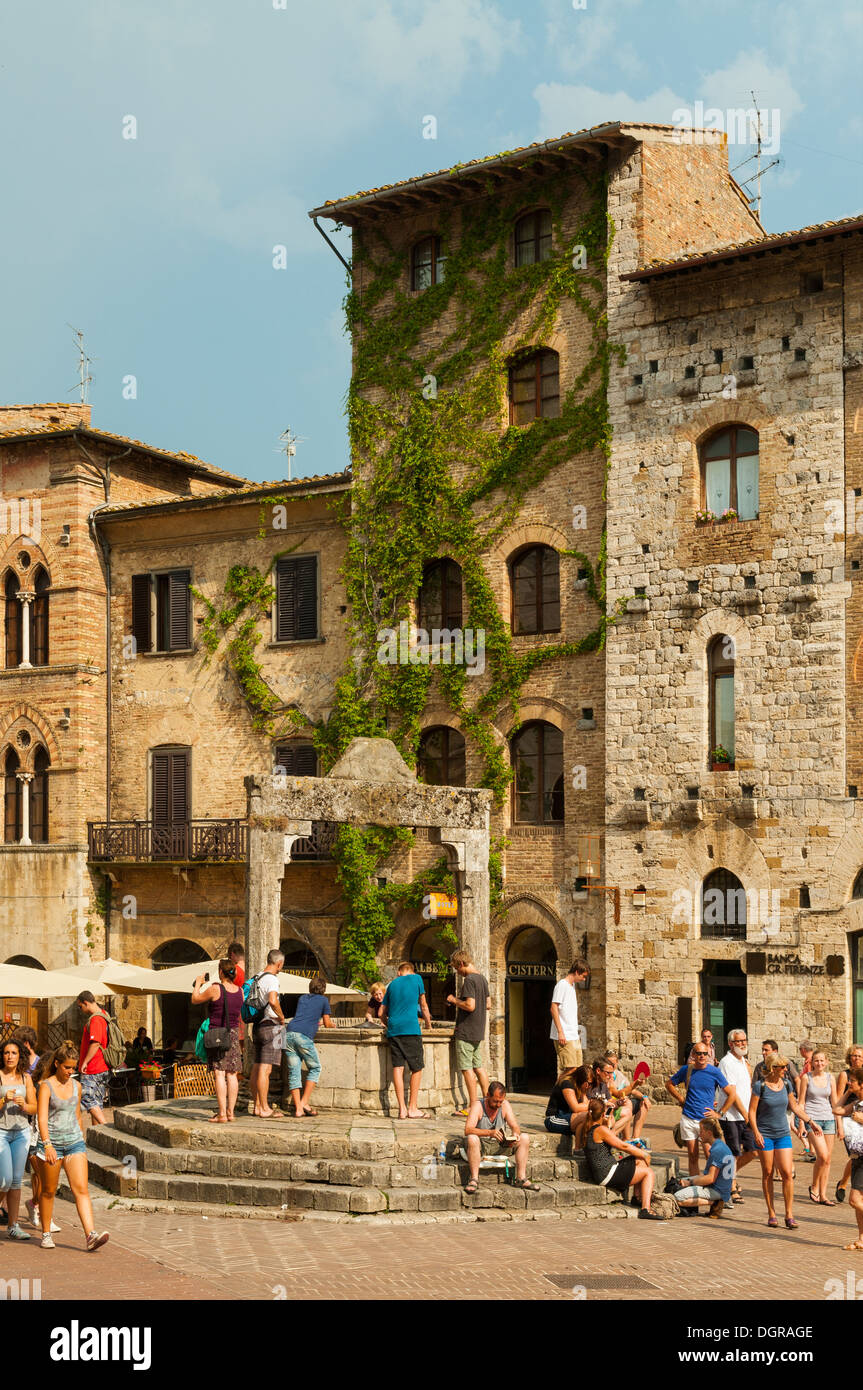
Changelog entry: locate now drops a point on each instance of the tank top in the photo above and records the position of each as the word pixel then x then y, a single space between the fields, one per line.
pixel 601 1157
pixel 224 1012
pixel 12 1117
pixel 63 1127
pixel 485 1120
pixel 818 1097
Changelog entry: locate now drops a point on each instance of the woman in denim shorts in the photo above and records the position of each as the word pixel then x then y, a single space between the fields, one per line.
pixel 61 1142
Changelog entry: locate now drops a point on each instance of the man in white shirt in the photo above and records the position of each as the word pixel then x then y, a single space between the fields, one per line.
pixel 738 1136
pixel 564 1017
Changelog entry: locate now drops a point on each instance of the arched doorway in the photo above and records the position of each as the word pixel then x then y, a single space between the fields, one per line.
pixel 531 972
pixel 18 1013
pixel 173 1015
pixel 300 959
pixel 429 955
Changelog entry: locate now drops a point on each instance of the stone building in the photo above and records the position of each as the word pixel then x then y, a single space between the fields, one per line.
pixel 702 889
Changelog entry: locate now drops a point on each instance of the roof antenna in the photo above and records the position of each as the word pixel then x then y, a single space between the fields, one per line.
pixel 289 447
pixel 756 177
pixel 84 363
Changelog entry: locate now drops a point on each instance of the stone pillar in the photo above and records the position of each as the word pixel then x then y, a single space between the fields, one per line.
pixel 269 852
pixel 25 778
pixel 472 883
pixel 26 598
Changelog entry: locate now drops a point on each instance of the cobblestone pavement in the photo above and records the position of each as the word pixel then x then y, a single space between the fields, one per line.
pixel 182 1256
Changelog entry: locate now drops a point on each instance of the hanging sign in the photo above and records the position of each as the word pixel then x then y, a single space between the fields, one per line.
pixel 442 905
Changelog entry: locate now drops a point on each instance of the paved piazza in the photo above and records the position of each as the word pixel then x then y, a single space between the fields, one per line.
pixel 181 1256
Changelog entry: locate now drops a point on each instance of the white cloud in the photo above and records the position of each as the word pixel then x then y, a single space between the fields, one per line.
pixel 564 107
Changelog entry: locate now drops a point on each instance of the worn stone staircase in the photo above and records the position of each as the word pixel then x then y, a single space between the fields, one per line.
pixel 165 1155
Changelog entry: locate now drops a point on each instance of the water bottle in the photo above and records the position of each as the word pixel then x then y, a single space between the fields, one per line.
pixel 441 1155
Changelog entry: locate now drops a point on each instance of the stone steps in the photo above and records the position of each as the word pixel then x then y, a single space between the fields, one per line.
pixel 167 1156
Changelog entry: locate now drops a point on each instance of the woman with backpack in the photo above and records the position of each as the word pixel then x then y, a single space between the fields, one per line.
pixel 222 1039
pixel 61 1142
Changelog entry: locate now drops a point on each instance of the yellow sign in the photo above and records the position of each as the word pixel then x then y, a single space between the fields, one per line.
pixel 442 905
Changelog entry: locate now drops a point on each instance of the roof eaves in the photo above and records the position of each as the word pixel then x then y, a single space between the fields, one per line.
pixel 319 482
pixel 743 250
pixel 190 461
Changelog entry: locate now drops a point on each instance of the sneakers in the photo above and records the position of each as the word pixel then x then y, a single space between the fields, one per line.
pixel 688 1211
pixel 715 1209
pixel 33 1215
pixel 47 1243
pixel 17 1232
pixel 94 1241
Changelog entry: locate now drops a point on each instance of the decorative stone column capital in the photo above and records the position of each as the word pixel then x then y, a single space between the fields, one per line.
pixel 25 777
pixel 27 595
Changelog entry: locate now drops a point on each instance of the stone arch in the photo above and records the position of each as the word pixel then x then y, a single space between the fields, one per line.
pixel 541 707
pixel 714 623
pixel 42 552
pixel 526 910
pixel 23 716
pixel 733 849
pixel 500 554
pixel 846 863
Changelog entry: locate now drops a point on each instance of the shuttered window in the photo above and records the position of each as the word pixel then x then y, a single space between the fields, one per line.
pixel 297 599
pixel 39 798
pixel 39 621
pixel 173 614
pixel 11 799
pixel 296 759
pixel 170 787
pixel 141 618
pixel 12 623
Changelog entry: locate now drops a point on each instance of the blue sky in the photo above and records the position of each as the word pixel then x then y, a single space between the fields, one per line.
pixel 161 248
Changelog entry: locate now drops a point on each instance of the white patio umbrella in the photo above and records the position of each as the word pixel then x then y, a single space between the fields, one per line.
pixel 120 976
pixel 181 978
pixel 23 982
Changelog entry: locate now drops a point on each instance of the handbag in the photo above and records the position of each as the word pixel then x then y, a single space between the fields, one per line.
pixel 219 1039
pixel 854 1134
pixel 677 1132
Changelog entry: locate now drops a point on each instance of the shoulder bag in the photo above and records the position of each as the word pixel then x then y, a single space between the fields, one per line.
pixel 219 1039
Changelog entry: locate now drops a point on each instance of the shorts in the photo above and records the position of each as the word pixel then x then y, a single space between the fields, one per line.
pixel 694 1193
pixel 493 1148
pixel 738 1136
pixel 63 1149
pixel 569 1054
pixel 826 1126
pixel 267 1053
pixel 468 1055
pixel 771 1144
pixel 94 1090
pixel 689 1129
pixel 559 1123
pixel 857 1174
pixel 621 1175
pixel 406 1050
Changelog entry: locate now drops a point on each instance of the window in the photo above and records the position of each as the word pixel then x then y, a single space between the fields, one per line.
pixel 297 599
pixel 296 759
pixel 11 798
pixel 533 237
pixel 723 907
pixel 441 758
pixel 12 622
pixel 39 620
pixel 537 757
pixel 170 786
pixel 161 611
pixel 535 583
pixel 534 389
pixel 427 263
pixel 857 890
pixel 729 472
pixel 720 666
pixel 440 597
pixel 39 797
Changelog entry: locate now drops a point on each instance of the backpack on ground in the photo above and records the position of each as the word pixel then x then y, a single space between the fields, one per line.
pixel 665 1204
pixel 114 1051
pixel 251 1012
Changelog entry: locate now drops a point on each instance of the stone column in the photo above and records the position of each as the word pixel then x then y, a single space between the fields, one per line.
pixel 269 852
pixel 25 778
pixel 26 597
pixel 471 849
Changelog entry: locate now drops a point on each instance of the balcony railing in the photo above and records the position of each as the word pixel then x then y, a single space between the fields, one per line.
pixel 207 841
pixel 318 845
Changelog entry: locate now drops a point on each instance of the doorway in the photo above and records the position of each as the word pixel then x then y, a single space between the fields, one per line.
pixel 531 972
pixel 723 999
pixel 173 1015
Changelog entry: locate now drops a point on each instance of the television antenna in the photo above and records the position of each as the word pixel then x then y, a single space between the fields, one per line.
pixel 84 364
pixel 759 171
pixel 289 447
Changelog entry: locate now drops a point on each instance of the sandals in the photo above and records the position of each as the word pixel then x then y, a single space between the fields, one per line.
pixel 772 1222
pixel 472 1187
pixel 737 1196
pixel 816 1200
pixel 840 1193
pixel 855 1245
pixel 525 1184
pixel 790 1223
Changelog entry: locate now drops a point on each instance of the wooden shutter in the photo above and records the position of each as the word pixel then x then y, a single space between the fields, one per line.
pixel 178 623
pixel 298 759
pixel 11 803
pixel 141 615
pixel 39 802
pixel 39 630
pixel 13 631
pixel 170 788
pixel 297 599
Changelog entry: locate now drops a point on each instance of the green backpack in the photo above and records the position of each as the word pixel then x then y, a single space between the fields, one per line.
pixel 115 1051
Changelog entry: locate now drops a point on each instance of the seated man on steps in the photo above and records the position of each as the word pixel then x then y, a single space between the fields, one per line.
pixel 485 1135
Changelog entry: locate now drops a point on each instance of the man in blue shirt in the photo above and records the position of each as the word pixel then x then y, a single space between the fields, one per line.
pixel 702 1080
pixel 715 1184
pixel 404 997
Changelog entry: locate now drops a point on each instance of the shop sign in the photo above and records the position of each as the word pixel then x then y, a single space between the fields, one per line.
pixel 529 970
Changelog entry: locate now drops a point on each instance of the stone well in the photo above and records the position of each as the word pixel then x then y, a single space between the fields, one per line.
pixel 356 1071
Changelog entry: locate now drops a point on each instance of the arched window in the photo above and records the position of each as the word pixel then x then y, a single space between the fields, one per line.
pixel 39 797
pixel 13 621
pixel 440 596
pixel 427 263
pixel 39 619
pixel 533 237
pixel 857 890
pixel 441 757
pixel 723 906
pixel 534 388
pixel 537 757
pixel 720 666
pixel 729 472
pixel 11 798
pixel 535 583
